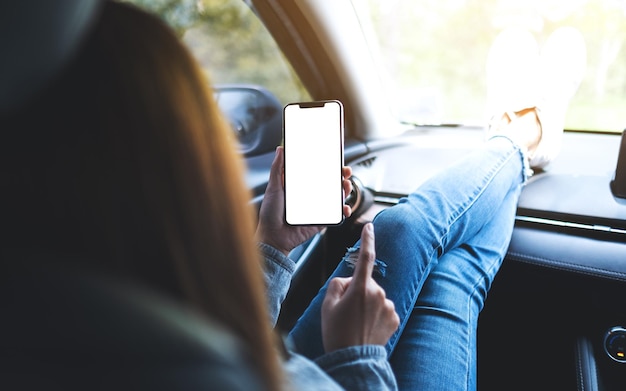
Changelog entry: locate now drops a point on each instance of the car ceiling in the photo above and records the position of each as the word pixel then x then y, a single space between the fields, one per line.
pixel 48 37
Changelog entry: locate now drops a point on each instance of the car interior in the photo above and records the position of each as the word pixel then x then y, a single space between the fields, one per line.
pixel 555 317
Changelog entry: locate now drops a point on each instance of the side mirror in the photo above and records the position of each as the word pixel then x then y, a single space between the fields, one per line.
pixel 255 115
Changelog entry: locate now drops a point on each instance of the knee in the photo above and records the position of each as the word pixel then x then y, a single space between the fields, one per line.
pixel 397 227
pixel 394 219
pixel 401 221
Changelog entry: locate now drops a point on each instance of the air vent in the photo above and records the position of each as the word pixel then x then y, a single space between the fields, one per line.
pixel 366 162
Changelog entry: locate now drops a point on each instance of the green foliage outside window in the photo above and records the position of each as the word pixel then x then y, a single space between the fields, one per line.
pixel 230 43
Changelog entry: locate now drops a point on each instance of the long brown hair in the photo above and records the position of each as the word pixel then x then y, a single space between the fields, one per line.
pixel 125 165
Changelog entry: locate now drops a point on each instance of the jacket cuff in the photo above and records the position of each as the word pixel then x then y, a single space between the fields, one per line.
pixel 352 354
pixel 271 254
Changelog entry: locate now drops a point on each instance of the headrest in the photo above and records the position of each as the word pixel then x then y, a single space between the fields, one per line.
pixel 37 38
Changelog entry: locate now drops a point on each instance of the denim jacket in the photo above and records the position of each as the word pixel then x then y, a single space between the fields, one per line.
pixel 354 368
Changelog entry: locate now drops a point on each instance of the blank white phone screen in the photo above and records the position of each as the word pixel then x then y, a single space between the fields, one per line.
pixel 313 137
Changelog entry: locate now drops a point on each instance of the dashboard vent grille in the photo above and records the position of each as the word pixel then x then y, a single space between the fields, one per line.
pixel 366 162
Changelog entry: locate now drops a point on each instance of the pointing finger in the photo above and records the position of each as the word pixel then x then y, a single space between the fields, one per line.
pixel 367 255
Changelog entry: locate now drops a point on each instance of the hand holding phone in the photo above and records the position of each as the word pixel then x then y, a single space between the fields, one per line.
pixel 272 229
pixel 313 140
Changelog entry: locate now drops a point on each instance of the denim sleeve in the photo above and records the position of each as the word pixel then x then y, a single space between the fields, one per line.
pixel 304 375
pixel 359 368
pixel 278 272
pixel 354 368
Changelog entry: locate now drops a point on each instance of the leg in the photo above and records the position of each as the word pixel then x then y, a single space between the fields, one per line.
pixel 445 212
pixel 437 349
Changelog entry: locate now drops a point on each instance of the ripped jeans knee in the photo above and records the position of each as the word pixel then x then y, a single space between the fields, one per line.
pixel 352 257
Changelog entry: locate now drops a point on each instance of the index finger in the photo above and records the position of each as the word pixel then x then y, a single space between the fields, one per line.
pixel 367 255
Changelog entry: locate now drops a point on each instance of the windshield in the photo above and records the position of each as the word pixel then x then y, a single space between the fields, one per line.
pixel 434 55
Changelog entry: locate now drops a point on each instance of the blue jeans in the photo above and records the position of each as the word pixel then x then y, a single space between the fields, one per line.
pixel 438 251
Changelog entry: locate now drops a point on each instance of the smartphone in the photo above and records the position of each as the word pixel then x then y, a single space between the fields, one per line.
pixel 313 142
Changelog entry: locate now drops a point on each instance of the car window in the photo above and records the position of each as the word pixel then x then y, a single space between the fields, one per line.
pixel 231 44
pixel 434 54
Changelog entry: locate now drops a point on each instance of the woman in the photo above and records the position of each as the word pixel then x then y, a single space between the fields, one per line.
pixel 125 166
